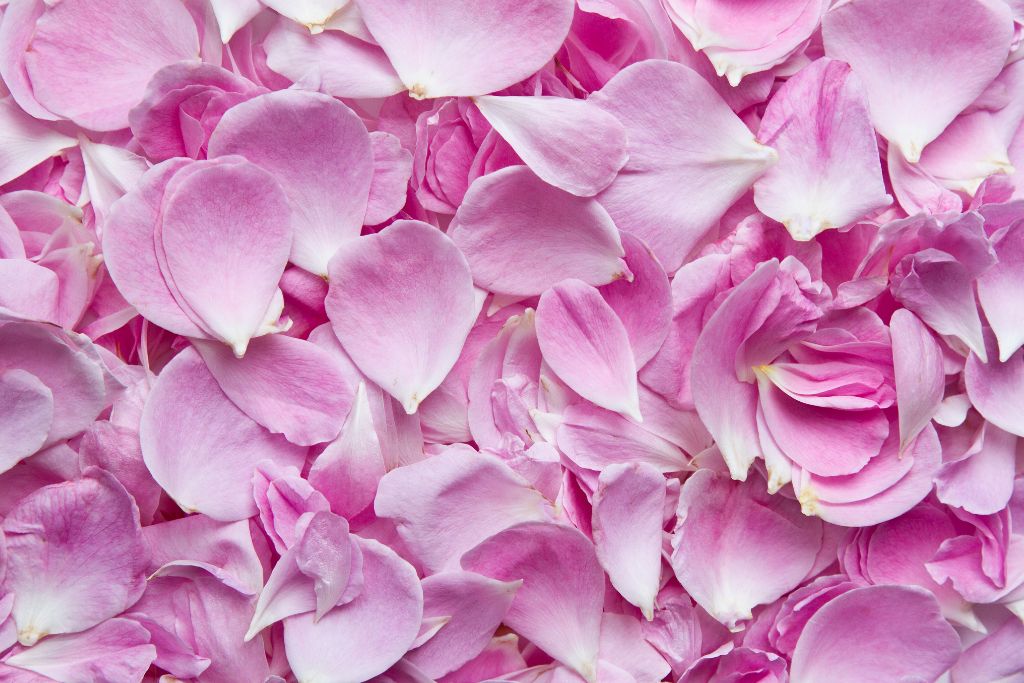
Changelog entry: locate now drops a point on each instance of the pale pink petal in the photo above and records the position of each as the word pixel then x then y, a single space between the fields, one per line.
pixel 402 303
pixel 478 490
pixel 997 388
pixel 288 385
pixel 331 62
pixel 981 483
pixel 916 190
pixel 877 633
pixel 501 656
pixel 75 556
pixel 348 470
pixel 110 173
pixel 623 644
pixel 629 507
pixel 319 151
pixel 232 15
pixel 313 14
pixel 84 65
pixel 690 157
pixel 586 345
pixel 26 418
pixel 736 547
pixel 920 378
pixel 458 47
pixel 332 559
pixel 829 173
pixel 475 606
pixel 521 235
pixel 284 499
pixel 392 168
pixel 357 641
pixel 644 304
pixel 999 288
pixel 201 448
pixel 595 439
pixel 116 449
pixel 948 52
pixel 16 31
pixel 558 607
pixel 568 143
pixel 996 657
pixel 25 141
pixel 116 651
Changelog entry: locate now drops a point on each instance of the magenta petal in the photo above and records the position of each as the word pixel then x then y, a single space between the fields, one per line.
pixel 586 345
pixel 571 144
pixel 288 385
pixel 75 556
pixel 878 633
pixel 115 651
pixel 200 447
pixel 363 638
pixel 920 378
pixel 558 607
pixel 402 303
pixel 457 47
pixel 629 510
pixel 319 151
pixel 558 235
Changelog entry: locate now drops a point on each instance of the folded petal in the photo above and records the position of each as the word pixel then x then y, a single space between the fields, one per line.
pixel 558 607
pixel 401 302
pixel 477 489
pixel 568 143
pixel 319 151
pixel 456 47
pixel 521 235
pixel 75 556
pixel 586 345
pixel 690 157
pixel 288 385
pixel 948 52
pixel 920 378
pixel 996 388
pixel 116 651
pixel 880 633
pixel 84 65
pixel 474 606
pixel 736 547
pixel 829 173
pixel 363 638
pixel 629 510
pixel 200 447
pixel 998 289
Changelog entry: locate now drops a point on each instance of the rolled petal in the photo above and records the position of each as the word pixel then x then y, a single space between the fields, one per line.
pixel 75 556
pixel 586 345
pixel 477 489
pixel 998 290
pixel 948 53
pixel 200 447
pixel 571 144
pixel 521 235
pixel 474 606
pixel 357 641
pixel 319 151
pixel 288 385
pixel 920 377
pixel 85 66
pixel 459 48
pixel 680 177
pixel 558 607
pixel 401 303
pixel 829 173
pixel 883 633
pixel 629 510
pixel 736 547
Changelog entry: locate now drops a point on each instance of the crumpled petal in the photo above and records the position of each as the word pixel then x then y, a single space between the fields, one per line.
pixel 200 447
pixel 558 235
pixel 948 52
pixel 319 151
pixel 828 174
pixel 558 607
pixel 461 48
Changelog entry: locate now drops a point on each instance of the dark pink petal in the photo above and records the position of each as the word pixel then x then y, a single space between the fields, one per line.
pixel 200 447
pixel 882 633
pixel 402 303
pixel 521 235
pixel 558 607
pixel 319 151
pixel 75 556
pixel 456 47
